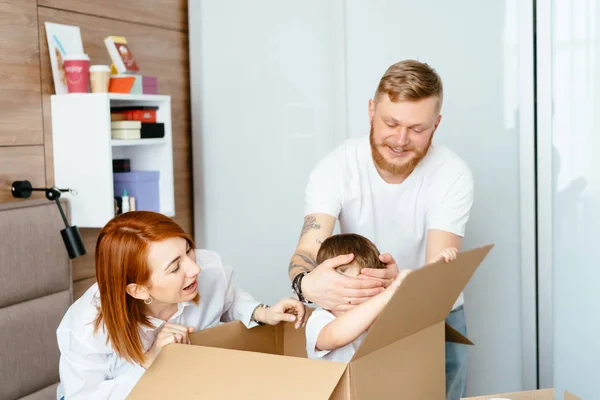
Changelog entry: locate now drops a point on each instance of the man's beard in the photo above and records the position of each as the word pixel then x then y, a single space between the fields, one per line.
pixel 404 169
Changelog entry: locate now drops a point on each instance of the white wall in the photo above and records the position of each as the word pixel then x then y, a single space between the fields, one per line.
pixel 276 83
pixel 473 46
pixel 267 93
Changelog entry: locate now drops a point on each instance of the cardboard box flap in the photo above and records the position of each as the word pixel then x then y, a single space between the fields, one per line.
pixel 570 396
pixel 234 335
pixel 544 394
pixel 454 336
pixel 294 340
pixel 188 371
pixel 425 298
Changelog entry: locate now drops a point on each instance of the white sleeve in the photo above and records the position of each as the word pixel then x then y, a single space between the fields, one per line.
pixel 451 207
pixel 315 324
pixel 239 305
pixel 84 370
pixel 323 193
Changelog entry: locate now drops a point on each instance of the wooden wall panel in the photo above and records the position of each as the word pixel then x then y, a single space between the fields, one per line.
pixel 171 14
pixel 21 122
pixel 20 102
pixel 20 163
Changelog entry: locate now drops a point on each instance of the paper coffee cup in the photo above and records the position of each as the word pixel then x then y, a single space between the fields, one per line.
pixel 77 70
pixel 99 78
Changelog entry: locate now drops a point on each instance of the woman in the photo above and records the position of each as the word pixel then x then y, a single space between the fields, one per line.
pixel 150 292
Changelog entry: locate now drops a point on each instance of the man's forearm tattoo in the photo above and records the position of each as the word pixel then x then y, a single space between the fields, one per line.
pixel 309 223
pixel 297 268
pixel 308 260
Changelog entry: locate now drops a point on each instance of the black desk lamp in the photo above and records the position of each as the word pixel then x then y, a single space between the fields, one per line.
pixel 70 235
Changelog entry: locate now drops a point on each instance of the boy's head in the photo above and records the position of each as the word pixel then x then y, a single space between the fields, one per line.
pixel 366 254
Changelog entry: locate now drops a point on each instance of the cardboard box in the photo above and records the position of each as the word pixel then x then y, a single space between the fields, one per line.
pixel 543 394
pixel 402 356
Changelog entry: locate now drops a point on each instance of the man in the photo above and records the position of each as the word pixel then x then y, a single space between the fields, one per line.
pixel 408 196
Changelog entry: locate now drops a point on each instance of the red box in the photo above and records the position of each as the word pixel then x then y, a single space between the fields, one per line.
pixel 141 115
pixel 135 113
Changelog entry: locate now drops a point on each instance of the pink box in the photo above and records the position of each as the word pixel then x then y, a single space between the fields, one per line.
pixel 149 85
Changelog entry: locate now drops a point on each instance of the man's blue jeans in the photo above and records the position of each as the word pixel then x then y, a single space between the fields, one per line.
pixel 456 358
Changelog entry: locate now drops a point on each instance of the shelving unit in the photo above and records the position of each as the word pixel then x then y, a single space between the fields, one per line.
pixel 137 142
pixel 83 152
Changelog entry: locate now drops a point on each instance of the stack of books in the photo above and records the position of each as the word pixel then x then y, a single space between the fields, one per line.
pixel 143 118
pixel 126 130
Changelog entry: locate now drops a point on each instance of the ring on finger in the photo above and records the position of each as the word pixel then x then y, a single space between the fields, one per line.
pixel 349 300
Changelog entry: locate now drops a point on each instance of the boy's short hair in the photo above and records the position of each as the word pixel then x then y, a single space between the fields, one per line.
pixel 366 254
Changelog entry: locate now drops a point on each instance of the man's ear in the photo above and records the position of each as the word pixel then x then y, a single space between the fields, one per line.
pixel 371 111
pixel 136 291
pixel 437 122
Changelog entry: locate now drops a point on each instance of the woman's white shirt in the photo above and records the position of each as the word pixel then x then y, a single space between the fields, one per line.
pixel 89 367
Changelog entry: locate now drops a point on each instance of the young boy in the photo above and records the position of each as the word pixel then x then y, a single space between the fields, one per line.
pixel 336 335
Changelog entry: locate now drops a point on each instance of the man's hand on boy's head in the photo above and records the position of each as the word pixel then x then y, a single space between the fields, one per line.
pixel 385 276
pixel 333 291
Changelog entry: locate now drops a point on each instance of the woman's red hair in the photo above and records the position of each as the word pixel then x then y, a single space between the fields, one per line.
pixel 122 258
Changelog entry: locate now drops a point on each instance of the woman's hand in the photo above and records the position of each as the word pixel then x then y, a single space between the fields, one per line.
pixel 170 333
pixel 286 310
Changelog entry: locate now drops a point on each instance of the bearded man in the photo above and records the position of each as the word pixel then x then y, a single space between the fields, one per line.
pixel 409 196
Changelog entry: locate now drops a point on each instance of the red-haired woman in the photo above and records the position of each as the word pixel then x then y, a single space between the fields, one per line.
pixel 149 293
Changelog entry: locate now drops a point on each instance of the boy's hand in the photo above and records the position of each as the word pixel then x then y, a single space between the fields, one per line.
pixel 398 281
pixel 390 290
pixel 446 255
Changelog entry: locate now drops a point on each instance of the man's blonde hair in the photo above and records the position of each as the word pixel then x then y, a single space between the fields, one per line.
pixel 410 80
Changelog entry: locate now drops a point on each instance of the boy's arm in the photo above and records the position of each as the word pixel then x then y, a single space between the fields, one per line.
pixel 351 324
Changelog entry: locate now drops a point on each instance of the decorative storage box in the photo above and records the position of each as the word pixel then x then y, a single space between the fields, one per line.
pixel 149 84
pixel 143 185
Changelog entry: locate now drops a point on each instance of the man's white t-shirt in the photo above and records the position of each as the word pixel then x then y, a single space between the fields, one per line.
pixel 438 194
pixel 316 322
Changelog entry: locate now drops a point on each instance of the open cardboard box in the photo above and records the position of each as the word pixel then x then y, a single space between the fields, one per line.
pixel 402 356
pixel 543 394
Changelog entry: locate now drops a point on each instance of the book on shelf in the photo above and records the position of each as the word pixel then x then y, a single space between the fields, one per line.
pixel 121 55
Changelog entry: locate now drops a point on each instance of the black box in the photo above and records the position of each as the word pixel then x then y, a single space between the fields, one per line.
pixel 152 130
pixel 121 165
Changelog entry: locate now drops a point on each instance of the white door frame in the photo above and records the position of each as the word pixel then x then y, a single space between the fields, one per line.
pixel 527 193
pixel 544 192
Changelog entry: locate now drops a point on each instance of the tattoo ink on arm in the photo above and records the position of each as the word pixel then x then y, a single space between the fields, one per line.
pixel 309 223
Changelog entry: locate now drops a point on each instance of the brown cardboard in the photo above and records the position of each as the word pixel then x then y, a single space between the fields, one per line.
pixel 185 371
pixel 570 396
pixel 402 356
pixel 414 308
pixel 542 394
